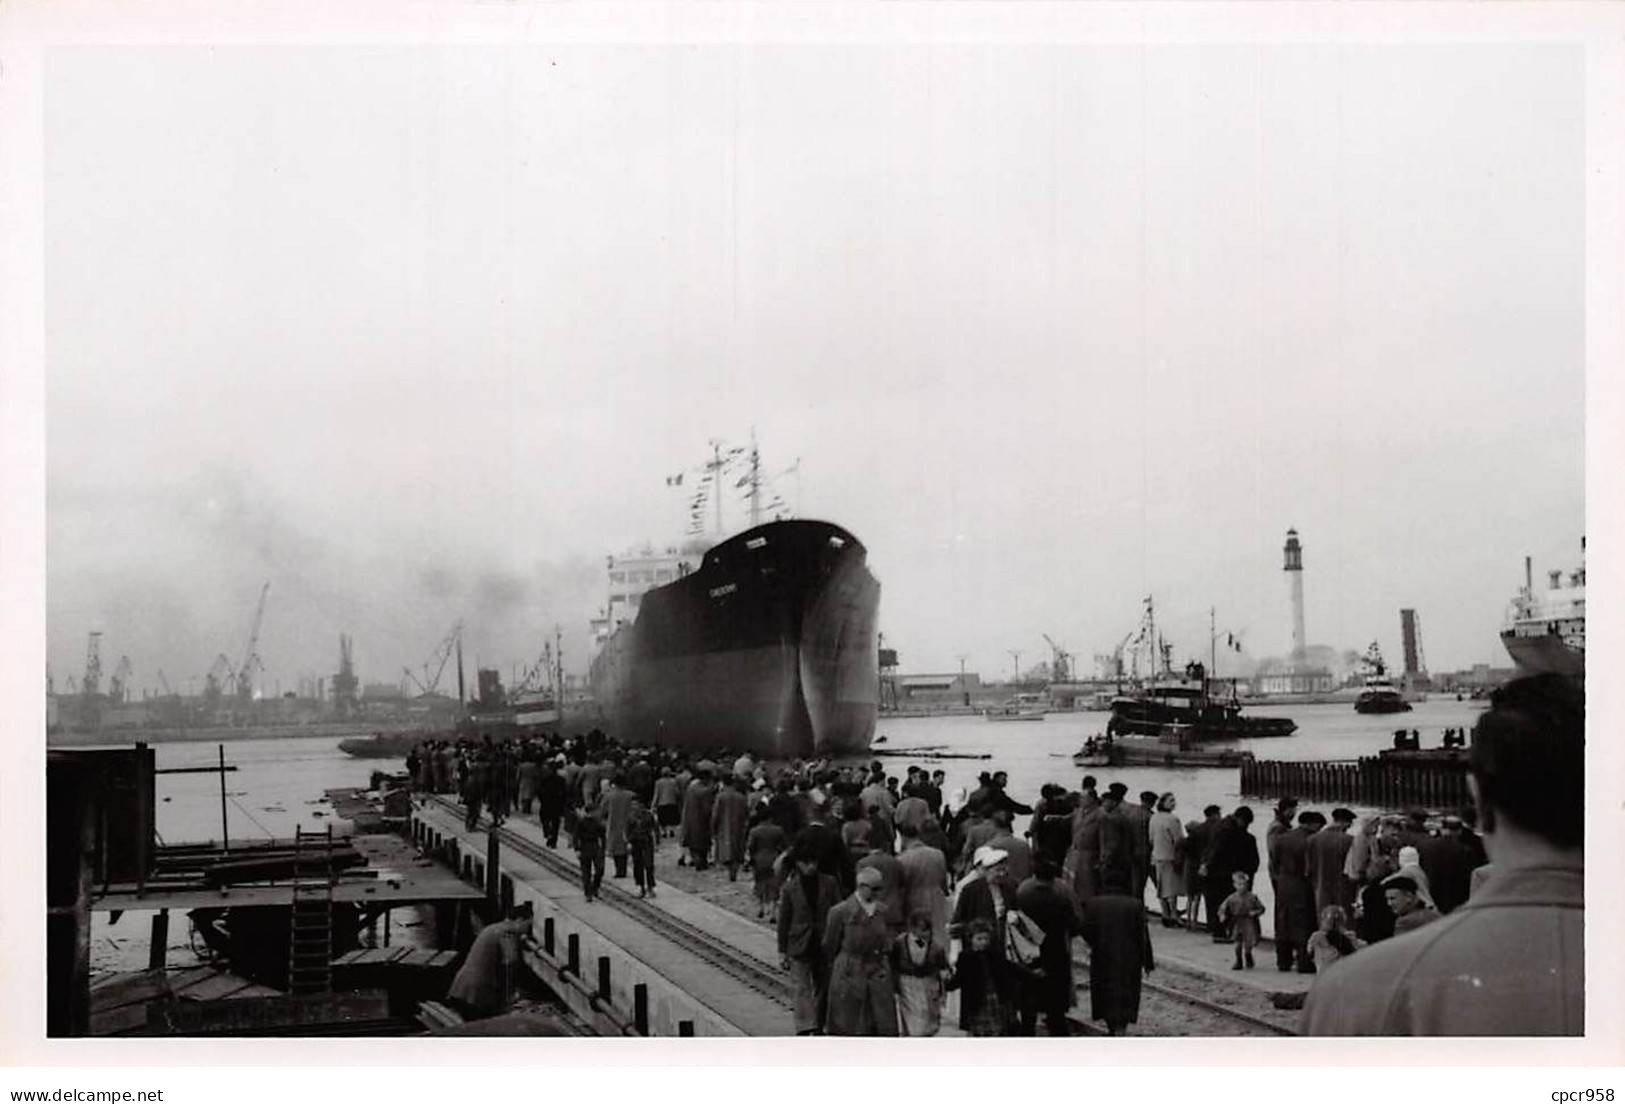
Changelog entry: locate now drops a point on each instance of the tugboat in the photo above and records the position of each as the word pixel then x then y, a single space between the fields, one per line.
pixel 1380 695
pixel 1175 746
pixel 1190 702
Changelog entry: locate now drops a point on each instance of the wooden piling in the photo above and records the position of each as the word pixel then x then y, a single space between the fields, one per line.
pixel 158 950
pixel 1378 781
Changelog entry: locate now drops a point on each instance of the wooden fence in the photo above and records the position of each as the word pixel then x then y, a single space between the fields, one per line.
pixel 1384 783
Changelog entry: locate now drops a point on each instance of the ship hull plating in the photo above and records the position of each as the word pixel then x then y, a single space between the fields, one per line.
pixel 1548 654
pixel 770 646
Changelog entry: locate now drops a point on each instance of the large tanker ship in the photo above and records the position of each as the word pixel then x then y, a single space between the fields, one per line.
pixel 768 644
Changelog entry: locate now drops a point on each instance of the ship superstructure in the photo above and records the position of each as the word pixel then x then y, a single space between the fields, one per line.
pixel 1545 631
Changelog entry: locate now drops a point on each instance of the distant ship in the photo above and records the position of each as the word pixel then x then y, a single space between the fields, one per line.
pixel 1379 694
pixel 1022 707
pixel 1547 632
pixel 768 645
pixel 383 745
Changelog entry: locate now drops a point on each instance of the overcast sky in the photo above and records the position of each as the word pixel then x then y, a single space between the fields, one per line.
pixel 417 335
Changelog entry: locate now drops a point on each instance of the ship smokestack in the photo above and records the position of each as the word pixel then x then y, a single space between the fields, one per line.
pixel 1294 569
pixel 1529 573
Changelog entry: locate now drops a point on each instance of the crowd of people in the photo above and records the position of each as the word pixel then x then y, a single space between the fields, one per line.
pixel 887 894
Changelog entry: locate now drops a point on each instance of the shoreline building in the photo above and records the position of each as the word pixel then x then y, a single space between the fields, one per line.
pixel 1296 675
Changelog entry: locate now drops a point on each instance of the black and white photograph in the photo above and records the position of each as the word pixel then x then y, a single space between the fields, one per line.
pixel 779 523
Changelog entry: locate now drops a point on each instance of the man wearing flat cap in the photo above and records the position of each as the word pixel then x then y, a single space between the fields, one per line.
pixel 1328 853
pixel 805 902
pixel 1116 838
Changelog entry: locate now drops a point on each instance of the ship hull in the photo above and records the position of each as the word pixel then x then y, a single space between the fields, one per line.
pixel 1391 702
pixel 1139 717
pixel 769 647
pixel 1539 655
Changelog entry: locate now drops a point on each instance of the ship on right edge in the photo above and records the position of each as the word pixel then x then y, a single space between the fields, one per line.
pixel 1546 632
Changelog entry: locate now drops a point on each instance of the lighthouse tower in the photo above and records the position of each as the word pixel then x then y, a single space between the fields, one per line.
pixel 1294 574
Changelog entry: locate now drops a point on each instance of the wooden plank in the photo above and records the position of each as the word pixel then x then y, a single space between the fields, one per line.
pixel 128 1020
pixel 262 1013
pixel 215 987
pixel 125 989
pixel 438 1017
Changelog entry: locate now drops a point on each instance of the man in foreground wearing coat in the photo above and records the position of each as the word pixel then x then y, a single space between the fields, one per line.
pixel 1510 961
pixel 1119 951
pixel 1230 848
pixel 804 905
pixel 1051 905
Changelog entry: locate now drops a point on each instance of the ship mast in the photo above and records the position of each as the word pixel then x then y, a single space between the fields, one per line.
pixel 755 482
pixel 716 480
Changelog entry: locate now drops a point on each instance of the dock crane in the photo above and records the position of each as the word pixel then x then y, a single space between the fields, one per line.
pixel 219 676
pixel 91 684
pixel 1060 668
pixel 252 664
pixel 430 681
pixel 119 687
pixel 164 682
pixel 1110 663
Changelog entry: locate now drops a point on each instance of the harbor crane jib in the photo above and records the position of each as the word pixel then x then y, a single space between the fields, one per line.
pixel 251 664
pixel 436 664
pixel 1060 668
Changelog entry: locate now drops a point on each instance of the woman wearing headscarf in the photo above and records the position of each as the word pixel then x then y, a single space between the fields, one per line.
pixel 1410 866
pixel 982 895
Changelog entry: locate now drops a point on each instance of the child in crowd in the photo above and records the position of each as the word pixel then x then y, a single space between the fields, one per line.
pixel 640 841
pixel 1333 940
pixel 589 844
pixel 921 963
pixel 987 998
pixel 1241 911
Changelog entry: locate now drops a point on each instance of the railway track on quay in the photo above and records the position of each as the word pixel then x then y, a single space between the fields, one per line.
pixel 1176 1010
pixel 743 967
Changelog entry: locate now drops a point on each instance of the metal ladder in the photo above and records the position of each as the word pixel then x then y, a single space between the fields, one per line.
pixel 310 924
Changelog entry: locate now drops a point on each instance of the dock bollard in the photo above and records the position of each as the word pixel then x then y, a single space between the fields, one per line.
pixel 640 1008
pixel 685 1029
pixel 603 978
pixel 572 960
